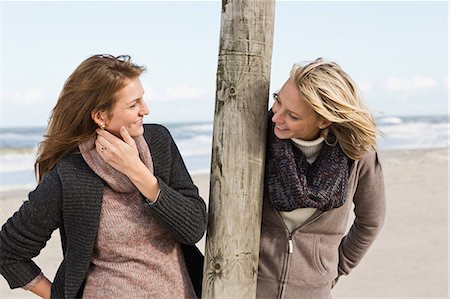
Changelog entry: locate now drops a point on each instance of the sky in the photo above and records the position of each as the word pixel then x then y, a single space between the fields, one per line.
pixel 397 52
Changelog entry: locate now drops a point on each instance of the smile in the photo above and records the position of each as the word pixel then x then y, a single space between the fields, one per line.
pixel 280 128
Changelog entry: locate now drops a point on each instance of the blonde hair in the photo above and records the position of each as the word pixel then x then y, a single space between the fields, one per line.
pixel 334 96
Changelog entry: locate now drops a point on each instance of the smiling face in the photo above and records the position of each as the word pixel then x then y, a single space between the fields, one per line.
pixel 293 116
pixel 128 110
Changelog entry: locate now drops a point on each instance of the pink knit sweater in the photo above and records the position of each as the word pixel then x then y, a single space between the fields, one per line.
pixel 134 256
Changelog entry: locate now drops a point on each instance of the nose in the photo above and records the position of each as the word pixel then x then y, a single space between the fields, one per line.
pixel 144 109
pixel 277 116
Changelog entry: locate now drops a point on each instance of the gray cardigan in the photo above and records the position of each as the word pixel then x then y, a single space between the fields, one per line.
pixel 70 198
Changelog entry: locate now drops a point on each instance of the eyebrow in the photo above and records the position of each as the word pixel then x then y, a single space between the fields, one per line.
pixel 278 95
pixel 135 100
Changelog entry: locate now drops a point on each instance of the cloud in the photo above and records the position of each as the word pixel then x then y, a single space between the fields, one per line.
pixel 417 83
pixel 445 81
pixel 150 93
pixel 30 97
pixel 184 92
pixel 366 86
pixel 180 92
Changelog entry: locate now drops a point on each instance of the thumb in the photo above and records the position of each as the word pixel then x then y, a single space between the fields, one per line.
pixel 126 136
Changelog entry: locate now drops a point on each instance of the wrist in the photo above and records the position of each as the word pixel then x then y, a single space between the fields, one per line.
pixel 145 181
pixel 154 198
pixel 136 171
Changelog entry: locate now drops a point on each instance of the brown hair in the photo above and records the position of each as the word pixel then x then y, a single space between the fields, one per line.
pixel 90 88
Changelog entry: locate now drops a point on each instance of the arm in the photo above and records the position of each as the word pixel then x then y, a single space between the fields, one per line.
pixel 42 288
pixel 179 206
pixel 370 206
pixel 24 235
pixel 172 196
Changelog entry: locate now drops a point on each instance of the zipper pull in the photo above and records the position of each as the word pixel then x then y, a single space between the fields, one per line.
pixel 291 244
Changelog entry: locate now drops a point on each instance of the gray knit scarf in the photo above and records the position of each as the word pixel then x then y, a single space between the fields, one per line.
pixel 292 183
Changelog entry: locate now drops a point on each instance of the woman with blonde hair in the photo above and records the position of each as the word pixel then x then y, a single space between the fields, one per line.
pixel 127 210
pixel 320 160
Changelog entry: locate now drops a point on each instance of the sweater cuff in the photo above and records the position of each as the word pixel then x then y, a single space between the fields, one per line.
pixel 19 275
pixel 29 286
pixel 149 202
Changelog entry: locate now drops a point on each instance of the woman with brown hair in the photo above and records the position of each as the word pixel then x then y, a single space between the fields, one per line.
pixel 320 160
pixel 128 212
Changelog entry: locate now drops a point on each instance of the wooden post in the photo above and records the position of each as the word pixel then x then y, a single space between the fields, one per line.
pixel 239 136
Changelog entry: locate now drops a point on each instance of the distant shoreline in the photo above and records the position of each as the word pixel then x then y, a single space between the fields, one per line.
pixel 384 154
pixel 177 123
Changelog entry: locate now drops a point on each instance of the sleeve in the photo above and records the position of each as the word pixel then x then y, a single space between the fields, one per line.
pixel 179 206
pixel 370 208
pixel 24 234
pixel 34 282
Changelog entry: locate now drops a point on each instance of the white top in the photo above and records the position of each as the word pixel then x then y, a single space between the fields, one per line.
pixel 311 149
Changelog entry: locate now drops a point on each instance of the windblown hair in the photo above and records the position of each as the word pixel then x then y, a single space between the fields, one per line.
pixel 92 87
pixel 334 96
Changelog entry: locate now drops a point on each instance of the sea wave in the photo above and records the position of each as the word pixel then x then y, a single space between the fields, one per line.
pixel 18 146
pixel 199 127
pixel 17 187
pixel 389 120
pixel 414 135
pixel 17 160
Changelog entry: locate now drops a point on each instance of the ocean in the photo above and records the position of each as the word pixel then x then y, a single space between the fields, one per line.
pixel 18 145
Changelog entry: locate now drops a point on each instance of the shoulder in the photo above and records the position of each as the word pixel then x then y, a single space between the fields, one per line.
pixel 155 128
pixel 73 168
pixel 371 156
pixel 66 165
pixel 72 162
pixel 157 136
pixel 156 131
pixel 370 162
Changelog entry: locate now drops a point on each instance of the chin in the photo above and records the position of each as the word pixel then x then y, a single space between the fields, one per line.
pixel 136 132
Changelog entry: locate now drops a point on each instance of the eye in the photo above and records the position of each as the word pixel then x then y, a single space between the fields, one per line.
pixel 276 97
pixel 134 104
pixel 293 117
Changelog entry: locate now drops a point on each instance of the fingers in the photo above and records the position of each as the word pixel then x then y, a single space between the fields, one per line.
pixel 102 145
pixel 118 153
pixel 116 140
pixel 105 134
pixel 126 136
pixel 106 142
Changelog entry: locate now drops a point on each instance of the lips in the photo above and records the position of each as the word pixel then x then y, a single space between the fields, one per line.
pixel 280 128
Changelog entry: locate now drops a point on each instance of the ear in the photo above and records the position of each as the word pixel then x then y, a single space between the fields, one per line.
pixel 323 124
pixel 100 118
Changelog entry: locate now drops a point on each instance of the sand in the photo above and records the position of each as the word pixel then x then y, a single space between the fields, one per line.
pixel 408 260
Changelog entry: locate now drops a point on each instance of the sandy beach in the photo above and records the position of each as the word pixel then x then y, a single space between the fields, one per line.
pixel 408 260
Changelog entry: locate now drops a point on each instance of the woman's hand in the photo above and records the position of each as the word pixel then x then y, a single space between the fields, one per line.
pixel 123 155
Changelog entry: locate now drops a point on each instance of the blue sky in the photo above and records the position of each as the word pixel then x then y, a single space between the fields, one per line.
pixel 397 52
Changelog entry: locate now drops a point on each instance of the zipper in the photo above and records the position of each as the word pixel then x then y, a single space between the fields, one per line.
pixel 290 251
pixel 290 244
pixel 287 264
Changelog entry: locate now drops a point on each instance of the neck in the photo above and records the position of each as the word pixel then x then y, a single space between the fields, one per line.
pixel 310 149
